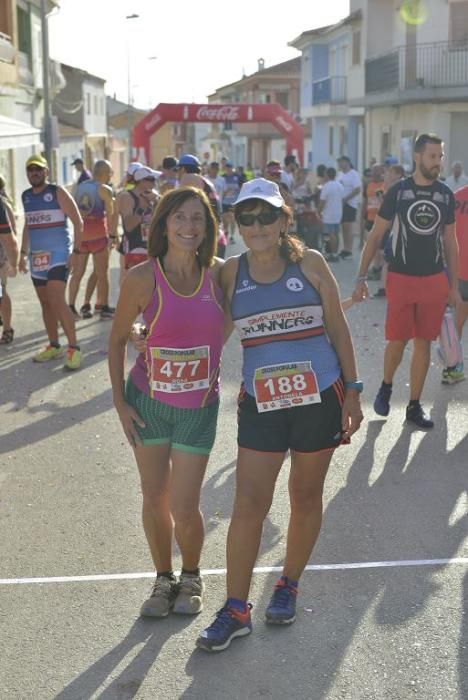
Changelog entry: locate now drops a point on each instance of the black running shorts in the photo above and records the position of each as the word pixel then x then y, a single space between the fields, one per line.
pixel 310 428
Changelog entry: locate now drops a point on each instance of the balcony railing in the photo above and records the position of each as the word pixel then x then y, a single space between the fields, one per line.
pixel 438 65
pixel 330 90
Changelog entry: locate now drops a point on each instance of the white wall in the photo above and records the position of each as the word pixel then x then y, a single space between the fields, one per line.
pixel 436 27
pixel 69 149
pixel 416 117
pixel 95 119
pixel 277 150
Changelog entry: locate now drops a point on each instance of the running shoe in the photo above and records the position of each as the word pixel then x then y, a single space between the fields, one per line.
pixel 375 273
pixel 161 600
pixel 75 314
pixel 229 623
pixel 382 401
pixel 50 352
pixel 380 293
pixel 7 336
pixel 417 415
pixel 189 599
pixel 86 311
pixel 281 609
pixel 453 375
pixel 345 254
pixel 332 258
pixel 73 359
pixel 106 311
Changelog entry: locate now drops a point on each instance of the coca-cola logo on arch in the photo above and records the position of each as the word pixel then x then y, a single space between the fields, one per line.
pixel 226 113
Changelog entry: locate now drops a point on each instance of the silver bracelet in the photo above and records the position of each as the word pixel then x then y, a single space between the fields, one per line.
pixel 362 278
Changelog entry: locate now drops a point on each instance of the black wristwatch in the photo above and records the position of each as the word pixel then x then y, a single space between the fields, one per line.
pixel 76 250
pixel 140 211
pixel 357 384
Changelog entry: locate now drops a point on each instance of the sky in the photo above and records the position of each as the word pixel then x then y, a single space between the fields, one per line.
pixel 180 51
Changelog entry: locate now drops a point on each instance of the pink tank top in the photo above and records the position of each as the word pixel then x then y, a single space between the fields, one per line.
pixel 184 343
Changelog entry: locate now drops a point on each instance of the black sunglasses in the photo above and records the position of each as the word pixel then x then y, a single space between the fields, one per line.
pixel 34 169
pixel 264 218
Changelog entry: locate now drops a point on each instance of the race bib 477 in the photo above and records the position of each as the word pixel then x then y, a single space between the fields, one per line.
pixel 178 370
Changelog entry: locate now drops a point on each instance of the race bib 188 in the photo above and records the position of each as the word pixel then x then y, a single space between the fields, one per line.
pixel 284 386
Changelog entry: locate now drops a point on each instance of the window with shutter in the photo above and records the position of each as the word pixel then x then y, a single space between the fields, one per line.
pixel 356 47
pixel 5 19
pixel 458 29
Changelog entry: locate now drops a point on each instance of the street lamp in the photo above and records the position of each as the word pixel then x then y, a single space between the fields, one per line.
pixel 129 94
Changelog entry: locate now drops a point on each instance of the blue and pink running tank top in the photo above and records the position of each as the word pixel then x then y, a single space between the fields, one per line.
pixel 184 343
pixel 281 322
pixel 93 210
pixel 49 237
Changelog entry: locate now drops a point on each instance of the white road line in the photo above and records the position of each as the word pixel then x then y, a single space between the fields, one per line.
pixel 463 561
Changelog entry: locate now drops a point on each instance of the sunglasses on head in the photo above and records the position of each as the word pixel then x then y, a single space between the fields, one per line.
pixel 264 218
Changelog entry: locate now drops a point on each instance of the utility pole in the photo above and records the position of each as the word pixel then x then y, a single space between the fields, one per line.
pixel 129 94
pixel 45 81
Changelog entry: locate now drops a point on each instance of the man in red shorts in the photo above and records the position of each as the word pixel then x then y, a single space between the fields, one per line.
pixel 95 202
pixel 421 210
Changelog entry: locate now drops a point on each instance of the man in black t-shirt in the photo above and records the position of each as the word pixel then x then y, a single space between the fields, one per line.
pixel 421 210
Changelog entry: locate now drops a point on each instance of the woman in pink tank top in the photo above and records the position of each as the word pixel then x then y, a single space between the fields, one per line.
pixel 169 404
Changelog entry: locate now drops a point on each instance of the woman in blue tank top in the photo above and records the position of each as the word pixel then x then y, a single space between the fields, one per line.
pixel 300 392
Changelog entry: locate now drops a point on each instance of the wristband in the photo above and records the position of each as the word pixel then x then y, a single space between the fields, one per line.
pixel 113 237
pixel 356 384
pixel 140 211
pixel 76 250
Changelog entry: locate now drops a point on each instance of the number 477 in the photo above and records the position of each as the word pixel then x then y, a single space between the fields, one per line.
pixel 179 368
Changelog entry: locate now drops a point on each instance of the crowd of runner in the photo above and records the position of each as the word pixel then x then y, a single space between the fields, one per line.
pixel 179 302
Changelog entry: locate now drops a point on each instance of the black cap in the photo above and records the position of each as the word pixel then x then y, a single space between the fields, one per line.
pixel 169 163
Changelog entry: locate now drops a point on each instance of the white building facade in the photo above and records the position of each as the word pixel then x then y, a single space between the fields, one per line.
pixel 332 73
pixel 415 78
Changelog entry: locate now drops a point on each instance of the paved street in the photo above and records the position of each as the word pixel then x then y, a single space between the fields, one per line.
pixel 70 507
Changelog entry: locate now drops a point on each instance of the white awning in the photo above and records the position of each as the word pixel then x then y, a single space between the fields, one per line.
pixel 15 134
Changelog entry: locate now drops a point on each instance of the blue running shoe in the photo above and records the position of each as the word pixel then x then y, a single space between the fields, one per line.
pixel 281 609
pixel 228 624
pixel 382 401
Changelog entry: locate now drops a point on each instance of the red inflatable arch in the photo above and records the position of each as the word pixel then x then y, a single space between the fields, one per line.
pixel 249 113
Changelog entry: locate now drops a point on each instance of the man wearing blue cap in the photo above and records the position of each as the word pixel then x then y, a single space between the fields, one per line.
pixel 232 186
